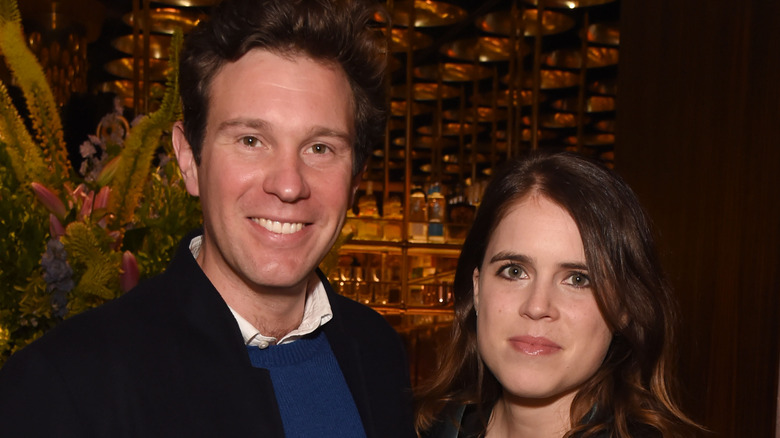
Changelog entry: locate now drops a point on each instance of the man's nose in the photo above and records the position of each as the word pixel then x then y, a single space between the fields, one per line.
pixel 286 177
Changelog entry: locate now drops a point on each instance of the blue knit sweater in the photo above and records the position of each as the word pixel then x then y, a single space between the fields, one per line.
pixel 313 397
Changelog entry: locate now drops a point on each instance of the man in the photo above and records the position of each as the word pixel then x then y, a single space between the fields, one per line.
pixel 242 335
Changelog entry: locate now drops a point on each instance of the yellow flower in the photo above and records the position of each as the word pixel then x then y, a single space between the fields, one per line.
pixel 5 337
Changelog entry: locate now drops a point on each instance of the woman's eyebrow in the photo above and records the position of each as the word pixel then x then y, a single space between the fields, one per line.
pixel 512 256
pixel 574 266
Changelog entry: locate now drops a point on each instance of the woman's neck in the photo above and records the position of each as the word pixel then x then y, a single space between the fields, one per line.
pixel 520 418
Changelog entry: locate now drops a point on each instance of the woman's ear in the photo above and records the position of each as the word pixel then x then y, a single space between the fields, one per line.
pixel 624 319
pixel 186 159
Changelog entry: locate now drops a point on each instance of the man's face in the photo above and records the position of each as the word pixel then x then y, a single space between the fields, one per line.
pixel 275 178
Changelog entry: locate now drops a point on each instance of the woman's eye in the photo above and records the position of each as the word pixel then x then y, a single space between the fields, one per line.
pixel 578 279
pixel 512 271
pixel 250 141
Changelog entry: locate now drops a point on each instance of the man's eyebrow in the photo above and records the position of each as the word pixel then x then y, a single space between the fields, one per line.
pixel 321 131
pixel 249 123
pixel 315 131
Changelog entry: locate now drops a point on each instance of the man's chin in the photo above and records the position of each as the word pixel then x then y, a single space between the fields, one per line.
pixel 276 281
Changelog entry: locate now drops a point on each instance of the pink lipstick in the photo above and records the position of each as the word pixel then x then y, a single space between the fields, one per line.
pixel 534 346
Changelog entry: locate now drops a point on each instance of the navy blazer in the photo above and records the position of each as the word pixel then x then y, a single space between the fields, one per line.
pixel 168 359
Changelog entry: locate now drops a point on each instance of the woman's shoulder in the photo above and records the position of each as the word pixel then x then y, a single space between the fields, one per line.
pixel 458 421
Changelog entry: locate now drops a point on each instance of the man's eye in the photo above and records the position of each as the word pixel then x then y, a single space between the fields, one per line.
pixel 319 148
pixel 578 279
pixel 250 141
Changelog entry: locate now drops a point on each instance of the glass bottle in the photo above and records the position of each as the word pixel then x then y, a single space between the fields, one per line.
pixel 418 215
pixel 368 213
pixel 393 217
pixel 460 216
pixel 437 208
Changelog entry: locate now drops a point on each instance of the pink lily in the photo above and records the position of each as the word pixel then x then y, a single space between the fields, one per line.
pixel 129 276
pixel 56 230
pixel 101 199
pixel 86 205
pixel 49 200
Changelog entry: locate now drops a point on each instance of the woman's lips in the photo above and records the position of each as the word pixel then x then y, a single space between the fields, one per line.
pixel 534 346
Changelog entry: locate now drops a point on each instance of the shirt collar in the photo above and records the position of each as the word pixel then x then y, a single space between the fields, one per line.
pixel 316 312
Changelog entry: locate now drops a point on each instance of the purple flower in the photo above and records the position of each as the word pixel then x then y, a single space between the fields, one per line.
pixel 87 149
pixel 58 276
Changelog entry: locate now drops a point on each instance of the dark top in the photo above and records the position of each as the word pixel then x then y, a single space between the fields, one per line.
pixel 168 359
pixel 465 421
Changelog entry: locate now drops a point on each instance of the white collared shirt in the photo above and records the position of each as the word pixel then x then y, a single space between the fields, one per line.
pixel 316 312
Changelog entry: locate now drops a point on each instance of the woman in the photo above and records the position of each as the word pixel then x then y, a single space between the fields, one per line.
pixel 564 323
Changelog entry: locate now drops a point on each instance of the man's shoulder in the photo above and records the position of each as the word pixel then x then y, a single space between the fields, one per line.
pixel 111 321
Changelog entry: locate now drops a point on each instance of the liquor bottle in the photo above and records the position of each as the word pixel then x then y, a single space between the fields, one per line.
pixel 376 290
pixel 362 291
pixel 418 215
pixel 437 208
pixel 460 216
pixel 368 213
pixel 392 215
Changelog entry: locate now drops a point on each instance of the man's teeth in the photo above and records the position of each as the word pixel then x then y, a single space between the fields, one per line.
pixel 279 227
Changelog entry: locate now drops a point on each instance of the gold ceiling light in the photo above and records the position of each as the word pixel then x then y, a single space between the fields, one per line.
pixel 593 104
pixel 607 34
pixel 159 45
pixel 426 142
pixel 426 91
pixel 607 87
pixel 189 3
pixel 427 13
pixel 594 140
pixel 502 99
pixel 572 58
pixel 398 108
pixel 483 49
pixel 569 4
pixel 451 129
pixel 484 114
pixel 166 20
pixel 399 40
pixel 500 22
pixel 452 72
pixel 123 68
pixel 550 79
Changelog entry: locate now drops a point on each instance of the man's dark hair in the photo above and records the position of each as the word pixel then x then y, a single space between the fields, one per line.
pixel 341 32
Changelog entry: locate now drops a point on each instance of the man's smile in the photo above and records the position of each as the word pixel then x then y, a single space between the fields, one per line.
pixel 278 227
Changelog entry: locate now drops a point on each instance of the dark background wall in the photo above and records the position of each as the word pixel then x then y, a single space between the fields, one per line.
pixel 699 140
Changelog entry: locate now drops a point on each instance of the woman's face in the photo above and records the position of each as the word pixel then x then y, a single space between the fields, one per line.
pixel 539 330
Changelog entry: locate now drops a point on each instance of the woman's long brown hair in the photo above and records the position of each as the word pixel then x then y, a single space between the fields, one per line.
pixel 634 389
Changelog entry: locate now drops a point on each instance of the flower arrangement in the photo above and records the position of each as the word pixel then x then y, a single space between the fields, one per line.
pixel 72 239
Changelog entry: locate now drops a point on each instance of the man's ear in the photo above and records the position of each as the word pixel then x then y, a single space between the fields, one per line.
pixel 356 183
pixel 186 159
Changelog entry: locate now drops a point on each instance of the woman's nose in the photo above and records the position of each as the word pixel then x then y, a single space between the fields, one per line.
pixel 537 303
